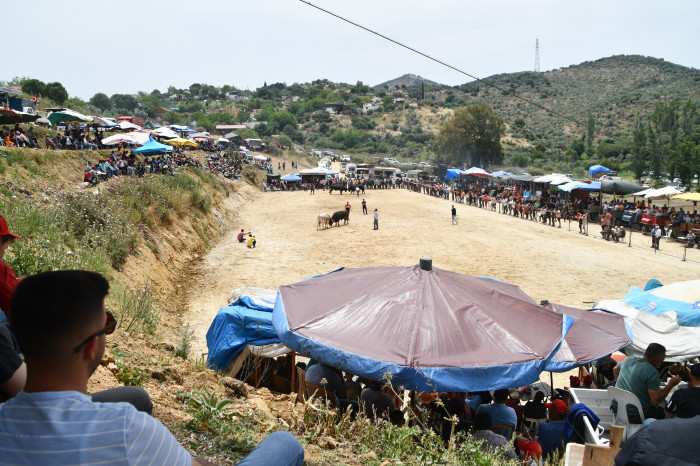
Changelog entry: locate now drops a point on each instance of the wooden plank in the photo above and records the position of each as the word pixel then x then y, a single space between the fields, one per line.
pixel 595 455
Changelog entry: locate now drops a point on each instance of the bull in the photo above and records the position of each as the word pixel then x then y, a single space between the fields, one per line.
pixel 324 221
pixel 337 187
pixel 340 215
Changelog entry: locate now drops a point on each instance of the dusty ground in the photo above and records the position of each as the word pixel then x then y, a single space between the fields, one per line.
pixel 559 265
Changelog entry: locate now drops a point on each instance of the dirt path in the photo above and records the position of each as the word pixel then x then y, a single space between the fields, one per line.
pixel 547 263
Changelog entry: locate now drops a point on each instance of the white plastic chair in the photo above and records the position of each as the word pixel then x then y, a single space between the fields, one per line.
pixel 624 398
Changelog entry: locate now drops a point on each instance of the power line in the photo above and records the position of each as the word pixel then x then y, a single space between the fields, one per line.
pixel 505 91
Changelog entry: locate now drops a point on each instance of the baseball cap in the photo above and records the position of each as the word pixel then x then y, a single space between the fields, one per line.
pixel 4 230
pixel 529 449
pixel 695 370
pixel 559 406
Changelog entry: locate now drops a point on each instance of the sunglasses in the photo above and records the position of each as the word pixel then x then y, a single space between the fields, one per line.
pixel 108 330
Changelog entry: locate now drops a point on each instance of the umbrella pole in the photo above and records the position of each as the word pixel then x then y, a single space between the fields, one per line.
pixel 551 385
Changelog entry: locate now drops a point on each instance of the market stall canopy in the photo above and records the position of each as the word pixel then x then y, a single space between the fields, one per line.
pixel 553 179
pixel 643 192
pixel 428 329
pixel 598 170
pixel 200 136
pixel 128 125
pixel 570 186
pixel 662 193
pixel 128 138
pixel 104 122
pixel 593 335
pixel 12 117
pixel 291 177
pixel 669 315
pixel 67 115
pixel 182 129
pixel 522 178
pixel 619 187
pixel 180 142
pixel 165 132
pixel 595 186
pixel 501 174
pixel 476 171
pixel 222 140
pixel 313 171
pixel 231 136
pixel 153 147
pixel 694 197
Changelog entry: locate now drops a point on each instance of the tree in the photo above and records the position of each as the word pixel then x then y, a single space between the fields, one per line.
pixel 590 131
pixel 101 101
pixel 172 118
pixel 56 92
pixel 150 104
pixel 75 102
pixel 124 102
pixel 282 119
pixel 33 87
pixel 638 162
pixel 471 136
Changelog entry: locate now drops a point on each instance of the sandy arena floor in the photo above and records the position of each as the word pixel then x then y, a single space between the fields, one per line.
pixel 559 265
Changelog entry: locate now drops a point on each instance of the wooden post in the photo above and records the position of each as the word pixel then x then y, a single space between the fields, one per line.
pixel 595 455
pixel 294 371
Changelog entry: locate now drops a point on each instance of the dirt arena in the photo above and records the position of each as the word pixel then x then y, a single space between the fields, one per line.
pixel 559 265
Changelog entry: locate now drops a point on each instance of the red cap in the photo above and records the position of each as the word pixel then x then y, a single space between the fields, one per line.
pixel 4 230
pixel 529 449
pixel 559 406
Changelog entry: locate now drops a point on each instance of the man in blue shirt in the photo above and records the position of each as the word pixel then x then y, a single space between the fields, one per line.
pixel 500 413
pixel 60 322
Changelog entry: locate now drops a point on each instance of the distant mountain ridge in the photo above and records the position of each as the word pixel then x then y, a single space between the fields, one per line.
pixel 407 80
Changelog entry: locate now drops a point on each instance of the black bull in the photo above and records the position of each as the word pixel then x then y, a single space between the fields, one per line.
pixel 340 215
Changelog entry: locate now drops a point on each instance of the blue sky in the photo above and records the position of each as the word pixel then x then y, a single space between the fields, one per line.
pixel 130 46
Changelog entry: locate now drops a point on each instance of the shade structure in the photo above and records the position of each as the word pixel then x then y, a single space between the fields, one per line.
pixel 428 329
pixel 200 136
pixel 643 192
pixel 180 142
pixel 104 122
pixel 476 171
pixel 291 177
pixel 694 197
pixel 595 186
pixel 669 315
pixel 662 193
pixel 67 115
pixel 165 132
pixel 553 179
pixel 619 187
pixel 598 170
pixel 594 334
pixel 570 186
pixel 12 117
pixel 129 138
pixel 128 125
pixel 452 174
pixel 153 147
pixel 501 174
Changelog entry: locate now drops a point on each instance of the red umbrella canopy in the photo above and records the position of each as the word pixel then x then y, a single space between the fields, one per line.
pixel 419 318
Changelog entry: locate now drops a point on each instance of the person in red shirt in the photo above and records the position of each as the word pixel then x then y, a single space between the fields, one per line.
pixel 8 280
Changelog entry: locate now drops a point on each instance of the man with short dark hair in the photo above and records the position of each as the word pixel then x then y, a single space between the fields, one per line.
pixel 61 324
pixel 640 376
pixel 499 412
pixel 491 441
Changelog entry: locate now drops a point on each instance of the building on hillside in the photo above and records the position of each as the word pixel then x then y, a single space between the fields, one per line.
pixel 335 108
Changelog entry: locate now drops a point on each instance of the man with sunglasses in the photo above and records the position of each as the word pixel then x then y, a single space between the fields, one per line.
pixel 61 325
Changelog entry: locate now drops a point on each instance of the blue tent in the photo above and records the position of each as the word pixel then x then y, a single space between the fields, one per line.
pixel 501 174
pixel 595 186
pixel 247 321
pixel 452 174
pixel 597 170
pixel 291 177
pixel 152 147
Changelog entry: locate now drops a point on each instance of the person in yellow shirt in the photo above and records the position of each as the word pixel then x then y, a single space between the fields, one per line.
pixel 251 241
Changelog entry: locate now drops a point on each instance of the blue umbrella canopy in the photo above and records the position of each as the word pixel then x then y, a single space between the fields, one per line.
pixel 291 177
pixel 595 186
pixel 427 329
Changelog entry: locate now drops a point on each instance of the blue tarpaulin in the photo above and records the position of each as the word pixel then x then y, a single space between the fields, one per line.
pixel 452 174
pixel 597 169
pixel 595 186
pixel 152 147
pixel 247 321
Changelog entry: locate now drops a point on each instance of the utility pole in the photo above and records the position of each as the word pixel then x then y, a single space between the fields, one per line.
pixel 537 55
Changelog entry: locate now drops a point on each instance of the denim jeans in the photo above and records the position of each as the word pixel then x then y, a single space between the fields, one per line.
pixel 277 449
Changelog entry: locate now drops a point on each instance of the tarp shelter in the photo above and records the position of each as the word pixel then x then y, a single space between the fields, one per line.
pixel 153 147
pixel 452 174
pixel 200 136
pixel 431 330
pixel 476 171
pixel 662 193
pixel 570 186
pixel 180 142
pixel 246 321
pixel 595 186
pixel 598 170
pixel 129 138
pixel 67 115
pixel 553 179
pixel 693 197
pixel 128 125
pixel 12 117
pixel 669 315
pixel 165 132
pixel 291 177
pixel 232 136
pixel 522 178
pixel 501 174
pixel 261 158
